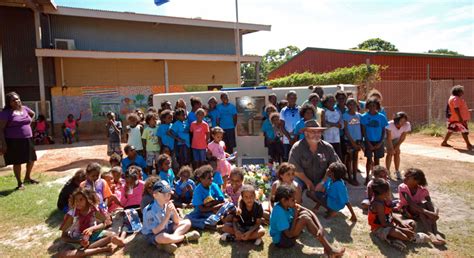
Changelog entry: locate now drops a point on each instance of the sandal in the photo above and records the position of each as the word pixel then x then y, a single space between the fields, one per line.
pixel 20 187
pixel 31 182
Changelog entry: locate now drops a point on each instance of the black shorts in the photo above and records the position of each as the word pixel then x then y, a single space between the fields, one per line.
pixel 229 138
pixel 19 151
pixel 286 242
pixel 378 153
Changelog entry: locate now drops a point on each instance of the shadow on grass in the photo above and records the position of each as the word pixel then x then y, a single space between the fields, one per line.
pixel 55 218
pixel 138 246
pixel 78 164
pixel 242 249
pixel 295 251
pixel 7 192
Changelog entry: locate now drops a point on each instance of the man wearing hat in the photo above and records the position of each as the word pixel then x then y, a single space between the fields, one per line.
pixel 312 156
pixel 162 225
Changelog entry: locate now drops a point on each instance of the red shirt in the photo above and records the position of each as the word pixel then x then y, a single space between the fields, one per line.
pixel 200 132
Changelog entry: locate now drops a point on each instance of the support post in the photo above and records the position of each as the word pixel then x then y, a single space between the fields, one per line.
pixel 257 73
pixel 40 63
pixel 167 83
pixel 237 42
pixel 428 81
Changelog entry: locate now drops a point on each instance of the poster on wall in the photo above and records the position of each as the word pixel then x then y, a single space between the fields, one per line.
pixel 249 115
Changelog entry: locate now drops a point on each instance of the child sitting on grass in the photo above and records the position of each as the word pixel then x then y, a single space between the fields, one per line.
pixel 70 186
pixel 384 225
pixel 115 160
pixel 207 199
pixel 113 202
pixel 234 189
pixel 184 187
pixel 147 196
pixel 132 191
pixel 97 184
pixel 163 165
pixel 331 193
pixel 84 224
pixel 133 159
pixel 415 203
pixel 247 220
pixel 286 176
pixel 162 225
pixel 288 219
pixel 379 172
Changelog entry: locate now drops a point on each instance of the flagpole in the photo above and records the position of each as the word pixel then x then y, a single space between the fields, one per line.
pixel 237 42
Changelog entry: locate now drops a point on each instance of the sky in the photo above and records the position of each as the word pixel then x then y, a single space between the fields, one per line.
pixel 412 26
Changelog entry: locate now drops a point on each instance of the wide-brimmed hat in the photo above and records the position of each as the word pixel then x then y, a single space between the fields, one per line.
pixel 313 125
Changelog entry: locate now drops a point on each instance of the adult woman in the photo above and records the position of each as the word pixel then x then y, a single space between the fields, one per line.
pixel 16 137
pixel 397 130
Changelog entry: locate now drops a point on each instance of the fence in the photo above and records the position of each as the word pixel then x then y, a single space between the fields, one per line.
pixel 424 101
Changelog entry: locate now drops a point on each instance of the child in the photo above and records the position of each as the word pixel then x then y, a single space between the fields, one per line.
pixel 40 134
pixel 234 189
pixel 114 132
pixel 247 222
pixel 217 149
pixel 288 219
pixel 216 176
pixel 286 176
pixel 415 203
pixel 97 184
pixel 331 119
pixel 70 126
pixel 386 226
pixel 275 146
pixel 459 116
pixel 115 160
pixel 132 192
pixel 141 117
pixel 213 113
pixel 397 131
pixel 180 103
pixel 374 93
pixel 207 199
pixel 134 132
pixel 331 193
pixel 179 130
pixel 70 186
pixel 163 165
pixel 184 187
pixel 113 202
pixel 133 158
pixel 352 140
pixel 195 105
pixel 307 112
pixel 228 121
pixel 85 224
pixel 147 197
pixel 282 104
pixel 166 142
pixel 373 129
pixel 200 131
pixel 150 141
pixel 161 224
pixel 272 99
pixel 340 106
pixel 378 172
pixel 314 99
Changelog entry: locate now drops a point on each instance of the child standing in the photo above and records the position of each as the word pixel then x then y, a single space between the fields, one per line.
pixel 162 225
pixel 415 203
pixel 150 141
pixel 270 126
pixel 179 131
pixel 213 113
pixel 331 119
pixel 134 132
pixel 200 131
pixel 248 219
pixel 207 199
pixel 286 176
pixel 114 132
pixel 97 184
pixel 185 186
pixel 70 186
pixel 307 112
pixel 217 150
pixel 227 121
pixel 459 116
pixel 234 189
pixel 163 165
pixel 373 129
pixel 331 193
pixel 397 131
pixel 166 142
pixel 288 219
pixel 195 105
pixel 353 139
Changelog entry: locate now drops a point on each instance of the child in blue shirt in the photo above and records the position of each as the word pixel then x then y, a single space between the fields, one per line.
pixel 331 193
pixel 166 142
pixel 273 136
pixel 228 121
pixel 184 187
pixel 373 129
pixel 179 131
pixel 133 158
pixel 207 199
pixel 163 165
pixel 307 112
pixel 352 139
pixel 213 113
pixel 288 219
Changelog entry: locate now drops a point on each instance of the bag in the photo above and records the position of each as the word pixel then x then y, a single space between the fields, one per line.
pixel 132 221
pixel 225 209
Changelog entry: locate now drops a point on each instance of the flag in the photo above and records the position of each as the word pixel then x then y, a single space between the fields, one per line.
pixel 160 2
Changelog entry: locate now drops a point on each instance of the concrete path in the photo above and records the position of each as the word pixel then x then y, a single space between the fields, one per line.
pixel 438 152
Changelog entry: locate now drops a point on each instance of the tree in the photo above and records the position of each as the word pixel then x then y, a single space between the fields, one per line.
pixel 376 44
pixel 444 51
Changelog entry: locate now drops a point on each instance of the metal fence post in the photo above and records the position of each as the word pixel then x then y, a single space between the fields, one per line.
pixel 428 80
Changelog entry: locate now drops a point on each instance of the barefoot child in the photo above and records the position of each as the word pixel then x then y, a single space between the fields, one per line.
pixel 161 224
pixel 378 172
pixel 331 118
pixel 134 132
pixel 353 139
pixel 248 219
pixel 165 172
pixel 132 191
pixel 415 203
pixel 179 131
pixel 184 187
pixel 213 113
pixel 70 186
pixel 201 135
pixel 133 159
pixel 288 219
pixel 397 131
pixel 150 141
pixel 459 115
pixel 217 149
pixel 147 196
pixel 166 142
pixel 234 189
pixel 113 202
pixel 97 184
pixel 114 134
pixel 286 176
pixel 331 193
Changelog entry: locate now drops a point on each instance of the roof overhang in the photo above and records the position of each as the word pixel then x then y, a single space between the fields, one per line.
pixel 43 52
pixel 39 5
pixel 130 16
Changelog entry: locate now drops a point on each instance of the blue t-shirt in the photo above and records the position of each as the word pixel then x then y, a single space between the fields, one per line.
pixel 267 128
pixel 167 176
pixel 163 134
pixel 337 196
pixel 139 161
pixel 213 114
pixel 153 215
pixel 374 126
pixel 217 178
pixel 201 193
pixel 280 220
pixel 353 125
pixel 181 129
pixel 299 125
pixel 180 185
pixel 226 115
pixel 191 117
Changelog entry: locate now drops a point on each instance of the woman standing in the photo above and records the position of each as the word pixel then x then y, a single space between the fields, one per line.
pixel 397 130
pixel 16 137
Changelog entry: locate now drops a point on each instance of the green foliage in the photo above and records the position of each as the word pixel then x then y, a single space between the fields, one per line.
pixel 347 75
pixel 436 130
pixel 444 51
pixel 376 44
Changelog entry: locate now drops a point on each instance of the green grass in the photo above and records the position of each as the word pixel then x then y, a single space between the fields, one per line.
pixel 435 129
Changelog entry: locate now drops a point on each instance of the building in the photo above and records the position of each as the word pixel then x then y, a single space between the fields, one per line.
pixel 95 61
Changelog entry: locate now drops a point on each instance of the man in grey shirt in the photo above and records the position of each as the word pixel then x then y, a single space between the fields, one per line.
pixel 312 156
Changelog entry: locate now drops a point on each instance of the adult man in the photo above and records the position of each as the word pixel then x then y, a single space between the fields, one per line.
pixel 312 156
pixel 289 116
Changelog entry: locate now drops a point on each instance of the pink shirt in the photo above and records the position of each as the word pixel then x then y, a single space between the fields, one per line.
pixel 70 125
pixel 217 150
pixel 200 132
pixel 41 126
pixel 457 102
pixel 234 196
pixel 419 196
pixel 132 199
